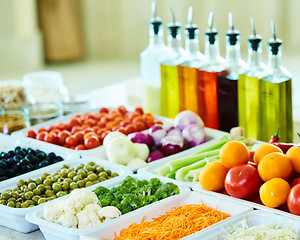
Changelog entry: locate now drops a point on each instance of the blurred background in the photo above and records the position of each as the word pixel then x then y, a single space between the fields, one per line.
pixel 94 43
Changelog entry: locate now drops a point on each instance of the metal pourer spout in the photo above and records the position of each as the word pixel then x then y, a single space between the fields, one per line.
pixel 211 32
pixel 274 43
pixel 254 39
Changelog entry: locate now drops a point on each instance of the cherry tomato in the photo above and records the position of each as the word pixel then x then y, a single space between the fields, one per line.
pixel 79 135
pixel 87 135
pixel 41 135
pixel 76 121
pixel 101 124
pixel 51 138
pixel 122 130
pixel 242 181
pixel 91 142
pixel 56 131
pixel 62 137
pixel 31 133
pixel 89 116
pixel 91 122
pixel 122 110
pixel 293 200
pixel 80 147
pixel 100 131
pixel 75 129
pixel 124 123
pixel 139 109
pixel 42 130
pixel 71 141
pixel 140 126
pixel 130 128
pixel 103 135
pixel 105 119
pixel 104 110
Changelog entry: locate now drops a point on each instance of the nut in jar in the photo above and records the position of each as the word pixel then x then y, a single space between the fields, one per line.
pixel 12 97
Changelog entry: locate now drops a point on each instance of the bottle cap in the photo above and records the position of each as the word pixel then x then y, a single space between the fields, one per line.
pixel 155 21
pixel 173 26
pixel 254 39
pixel 232 33
pixel 211 32
pixel 274 42
pixel 191 28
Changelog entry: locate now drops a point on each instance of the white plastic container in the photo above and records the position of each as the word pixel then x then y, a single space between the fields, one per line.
pixel 6 141
pixel 14 218
pixel 254 218
pixel 198 188
pixel 107 231
pixel 53 231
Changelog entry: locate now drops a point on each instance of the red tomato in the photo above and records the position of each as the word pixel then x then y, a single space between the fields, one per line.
pixel 51 138
pixel 103 135
pixel 104 110
pixel 89 134
pixel 71 141
pixel 122 130
pixel 79 135
pixel 91 142
pixel 140 126
pixel 130 128
pixel 122 110
pixel 75 129
pixel 31 133
pixel 139 109
pixel 80 147
pixel 42 130
pixel 293 200
pixel 242 181
pixel 124 123
pixel 76 121
pixel 89 121
pixel 41 135
pixel 62 137
pixel 101 124
pixel 89 115
pixel 295 182
pixel 55 131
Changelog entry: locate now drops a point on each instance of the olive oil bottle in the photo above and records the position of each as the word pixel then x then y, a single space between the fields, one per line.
pixel 150 65
pixel 248 87
pixel 207 76
pixel 276 95
pixel 187 70
pixel 169 71
pixel 227 81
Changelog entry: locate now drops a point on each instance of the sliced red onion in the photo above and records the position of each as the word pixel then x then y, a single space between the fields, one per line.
pixel 194 134
pixel 172 144
pixel 185 118
pixel 155 156
pixel 140 137
pixel 157 132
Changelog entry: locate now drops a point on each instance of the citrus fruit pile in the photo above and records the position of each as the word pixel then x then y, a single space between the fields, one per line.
pixel 267 175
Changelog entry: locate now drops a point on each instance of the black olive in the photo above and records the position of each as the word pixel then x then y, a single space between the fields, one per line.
pixel 30 167
pixel 24 161
pixel 59 158
pixel 25 168
pixel 43 163
pixel 11 172
pixel 17 148
pixel 2 172
pixel 35 160
pixel 3 164
pixel 2 178
pixel 11 161
pixel 29 157
pixel 16 167
pixel 41 156
pixel 17 157
pixel 51 155
pixel 21 153
pixel 36 166
pixel 4 155
pixel 11 153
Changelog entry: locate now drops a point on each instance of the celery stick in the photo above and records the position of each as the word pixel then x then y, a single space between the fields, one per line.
pixel 212 147
pixel 180 174
pixel 171 175
pixel 190 159
pixel 163 170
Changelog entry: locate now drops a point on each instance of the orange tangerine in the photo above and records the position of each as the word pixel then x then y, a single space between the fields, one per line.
pixel 294 155
pixel 274 192
pixel 263 150
pixel 274 165
pixel 212 176
pixel 234 153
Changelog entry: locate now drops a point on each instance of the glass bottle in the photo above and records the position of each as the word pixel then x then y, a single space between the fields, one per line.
pixel 207 78
pixel 169 71
pixel 248 87
pixel 187 70
pixel 150 65
pixel 227 81
pixel 276 95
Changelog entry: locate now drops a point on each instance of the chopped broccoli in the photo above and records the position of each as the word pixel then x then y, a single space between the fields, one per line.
pixel 142 183
pixel 155 183
pixel 130 183
pixel 166 190
pixel 101 190
pixel 132 200
pixel 105 200
pixel 125 208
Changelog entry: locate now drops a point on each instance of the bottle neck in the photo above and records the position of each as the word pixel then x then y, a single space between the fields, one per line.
pixel 274 60
pixel 212 51
pixel 254 58
pixel 192 46
pixel 233 54
pixel 174 43
pixel 156 39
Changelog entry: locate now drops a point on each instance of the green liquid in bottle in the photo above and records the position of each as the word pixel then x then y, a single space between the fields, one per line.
pixel 248 101
pixel 276 109
pixel 169 91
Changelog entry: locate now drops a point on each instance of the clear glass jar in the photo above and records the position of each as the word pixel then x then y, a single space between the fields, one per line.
pixel 13 120
pixel 76 103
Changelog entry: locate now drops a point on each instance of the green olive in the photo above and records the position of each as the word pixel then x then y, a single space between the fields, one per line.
pixel 41 200
pixel 115 174
pixel 47 182
pixel 30 202
pixel 71 174
pixel 73 185
pixel 31 185
pixel 101 179
pixel 103 174
pixel 78 168
pixel 99 169
pixel 3 202
pixel 15 189
pixel 55 179
pixel 29 195
pixel 77 178
pixel 49 193
pixel 41 188
pixel 5 195
pixel 65 166
pixel 48 177
pixel 60 179
pixel 18 204
pixel 61 193
pixel 22 195
pixel 38 181
pixel 56 187
pixel 96 181
pixel 35 199
pixel 84 180
pixel 29 180
pixel 81 183
pixel 50 198
pixel 15 194
pixel 68 180
pixel 24 205
pixel 82 173
pixel 20 183
pixel 92 177
pixel 108 172
pixel 48 188
pixel 63 173
pixel 89 168
pixel 11 199
pixel 88 183
pixel 19 200
pixel 37 192
pixel 91 163
pixel 65 186
pixel 11 204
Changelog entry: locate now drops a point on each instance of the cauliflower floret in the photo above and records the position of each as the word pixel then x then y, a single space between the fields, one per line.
pixel 68 220
pixel 71 206
pixel 87 219
pixel 92 208
pixel 83 195
pixel 52 212
pixel 109 212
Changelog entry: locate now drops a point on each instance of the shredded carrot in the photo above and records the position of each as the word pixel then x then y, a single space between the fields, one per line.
pixel 179 222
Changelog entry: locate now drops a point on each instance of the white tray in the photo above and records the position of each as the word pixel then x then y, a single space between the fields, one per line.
pixel 53 231
pixel 6 141
pixel 255 218
pixel 213 137
pixel 107 231
pixel 254 205
pixel 95 152
pixel 14 218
